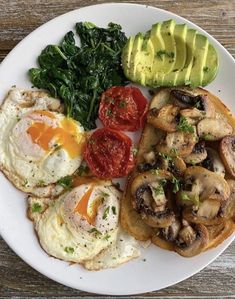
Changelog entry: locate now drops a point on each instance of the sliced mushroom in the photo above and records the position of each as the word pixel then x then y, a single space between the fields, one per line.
pixel 201 184
pixel 182 142
pixel 208 213
pixel 170 233
pixel 228 210
pixel 149 199
pixel 198 154
pixel 185 99
pixel 192 240
pixel 213 129
pixel 213 162
pixel 150 157
pixel 164 118
pixel 193 115
pixel 227 153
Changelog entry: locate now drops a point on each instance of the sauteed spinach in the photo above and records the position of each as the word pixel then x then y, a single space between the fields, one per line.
pixel 78 75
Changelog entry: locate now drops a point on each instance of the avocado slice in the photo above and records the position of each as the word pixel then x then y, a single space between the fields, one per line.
pixel 180 55
pixel 211 66
pixel 126 56
pixel 134 57
pixel 199 60
pixel 158 45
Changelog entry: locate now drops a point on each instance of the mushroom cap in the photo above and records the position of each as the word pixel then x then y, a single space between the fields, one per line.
pixel 213 162
pixel 198 245
pixel 227 153
pixel 164 118
pixel 197 155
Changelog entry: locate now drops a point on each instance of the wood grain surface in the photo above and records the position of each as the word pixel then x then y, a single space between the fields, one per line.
pixel 19 18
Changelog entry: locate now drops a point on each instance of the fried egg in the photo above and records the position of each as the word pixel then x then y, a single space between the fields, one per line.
pixel 82 226
pixel 38 145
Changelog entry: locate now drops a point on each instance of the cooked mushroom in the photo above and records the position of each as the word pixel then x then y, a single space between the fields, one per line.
pixel 208 213
pixel 228 210
pixel 182 142
pixel 213 129
pixel 170 233
pixel 193 115
pixel 201 184
pixel 164 118
pixel 227 153
pixel 149 198
pixel 185 99
pixel 198 154
pixel 192 240
pixel 150 157
pixel 213 162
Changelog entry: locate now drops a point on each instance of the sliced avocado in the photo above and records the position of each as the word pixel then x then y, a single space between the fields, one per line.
pixel 158 45
pixel 211 66
pixel 134 58
pixel 183 75
pixel 126 56
pixel 199 60
pixel 180 34
pixel 146 58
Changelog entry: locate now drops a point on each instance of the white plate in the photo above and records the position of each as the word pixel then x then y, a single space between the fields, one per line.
pixel 161 268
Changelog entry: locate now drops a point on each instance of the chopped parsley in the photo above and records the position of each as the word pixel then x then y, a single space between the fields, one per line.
pixel 69 249
pixel 123 104
pixel 207 137
pixel 206 69
pixel 155 171
pixel 109 112
pixel 95 231
pixel 135 151
pixel 197 105
pixel 36 208
pixel 176 184
pixel 66 182
pixel 41 183
pixel 186 197
pixel 25 183
pixel 158 190
pixel 161 53
pixel 114 210
pixel 106 237
pixel 104 194
pixel 83 169
pixel 165 156
pixel 106 212
pixel 18 118
pixel 184 126
pixel 173 151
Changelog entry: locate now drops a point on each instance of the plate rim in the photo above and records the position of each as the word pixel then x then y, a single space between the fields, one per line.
pixel 53 276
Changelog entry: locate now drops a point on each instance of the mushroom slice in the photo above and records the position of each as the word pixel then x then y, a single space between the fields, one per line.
pixel 170 233
pixel 228 209
pixel 201 184
pixel 227 153
pixel 193 115
pixel 213 162
pixel 198 154
pixel 149 199
pixel 192 240
pixel 185 99
pixel 164 118
pixel 182 142
pixel 208 213
pixel 213 129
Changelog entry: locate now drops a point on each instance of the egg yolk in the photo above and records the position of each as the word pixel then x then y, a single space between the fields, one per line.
pixel 82 206
pixel 66 136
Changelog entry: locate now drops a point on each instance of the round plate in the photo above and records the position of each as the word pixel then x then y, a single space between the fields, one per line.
pixel 156 268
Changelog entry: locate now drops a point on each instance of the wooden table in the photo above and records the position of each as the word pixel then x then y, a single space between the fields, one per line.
pixel 19 18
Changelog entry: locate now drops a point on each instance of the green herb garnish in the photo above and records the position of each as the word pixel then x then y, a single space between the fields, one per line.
pixel 122 104
pixel 158 190
pixel 184 126
pixel 95 231
pixel 206 69
pixel 161 53
pixel 83 169
pixel 114 210
pixel 106 212
pixel 66 182
pixel 207 137
pixel 79 75
pixel 165 156
pixel 135 151
pixel 106 237
pixel 69 249
pixel 36 208
pixel 176 184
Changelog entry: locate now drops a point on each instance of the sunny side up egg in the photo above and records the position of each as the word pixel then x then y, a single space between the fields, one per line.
pixel 82 226
pixel 38 145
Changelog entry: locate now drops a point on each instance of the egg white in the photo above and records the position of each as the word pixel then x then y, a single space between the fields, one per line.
pixel 27 165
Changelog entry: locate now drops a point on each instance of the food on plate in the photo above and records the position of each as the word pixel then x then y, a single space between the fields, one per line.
pixel 181 191
pixel 38 144
pixel 82 226
pixel 79 75
pixel 170 54
pixel 123 108
pixel 109 154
